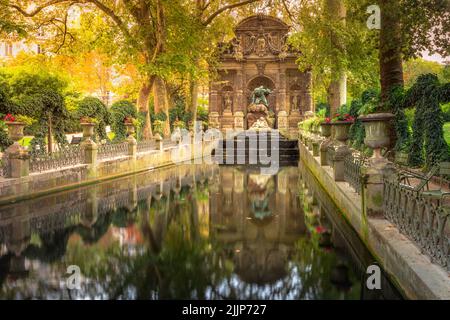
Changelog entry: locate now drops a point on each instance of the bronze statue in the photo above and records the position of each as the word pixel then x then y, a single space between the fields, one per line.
pixel 260 96
pixel 259 115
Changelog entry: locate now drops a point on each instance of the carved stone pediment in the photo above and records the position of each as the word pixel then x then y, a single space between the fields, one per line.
pixel 261 35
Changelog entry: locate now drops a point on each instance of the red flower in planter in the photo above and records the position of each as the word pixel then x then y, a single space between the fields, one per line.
pixel 9 118
pixel 128 120
pixel 320 229
pixel 327 120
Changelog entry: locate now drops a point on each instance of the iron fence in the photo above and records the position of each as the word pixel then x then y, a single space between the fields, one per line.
pixel 420 219
pixel 112 150
pixel 146 146
pixel 353 165
pixel 65 157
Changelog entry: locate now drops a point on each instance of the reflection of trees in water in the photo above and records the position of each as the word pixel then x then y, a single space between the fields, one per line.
pixel 52 248
pixel 92 234
pixel 4 267
pixel 175 260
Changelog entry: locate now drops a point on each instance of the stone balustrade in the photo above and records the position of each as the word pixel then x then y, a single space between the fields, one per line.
pixel 27 174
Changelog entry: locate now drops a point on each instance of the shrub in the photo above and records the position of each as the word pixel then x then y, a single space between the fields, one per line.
pixel 91 107
pixel 119 111
pixel 428 144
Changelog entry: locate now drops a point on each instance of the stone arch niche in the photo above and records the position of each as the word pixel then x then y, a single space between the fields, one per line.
pixel 266 82
pixel 296 93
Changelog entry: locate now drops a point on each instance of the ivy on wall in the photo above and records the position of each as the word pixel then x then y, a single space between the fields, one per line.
pixel 428 145
pixel 95 108
pixel 119 111
pixel 396 103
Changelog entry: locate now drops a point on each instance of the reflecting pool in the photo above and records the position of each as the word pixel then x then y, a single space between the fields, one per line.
pixel 187 232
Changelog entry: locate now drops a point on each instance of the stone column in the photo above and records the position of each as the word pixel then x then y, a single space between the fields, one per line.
pixel 90 156
pixel 283 121
pixel 16 157
pixel 132 143
pixel 309 105
pixel 281 99
pixel 159 142
pixel 239 101
pixel 213 109
pixel 239 121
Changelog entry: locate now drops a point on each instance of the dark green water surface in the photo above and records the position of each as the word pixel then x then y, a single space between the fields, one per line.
pixel 193 231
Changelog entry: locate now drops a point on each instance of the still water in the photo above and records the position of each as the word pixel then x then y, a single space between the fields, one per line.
pixel 193 231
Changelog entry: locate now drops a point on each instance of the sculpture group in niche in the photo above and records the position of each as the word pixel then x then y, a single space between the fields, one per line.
pixel 259 116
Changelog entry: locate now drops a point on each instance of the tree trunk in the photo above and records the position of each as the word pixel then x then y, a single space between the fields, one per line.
pixel 161 101
pixel 194 98
pixel 391 67
pixel 337 91
pixel 50 135
pixel 143 106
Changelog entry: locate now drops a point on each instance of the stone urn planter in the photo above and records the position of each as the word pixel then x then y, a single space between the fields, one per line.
pixel 377 131
pixel 325 129
pixel 130 128
pixel 341 130
pixel 88 130
pixel 15 130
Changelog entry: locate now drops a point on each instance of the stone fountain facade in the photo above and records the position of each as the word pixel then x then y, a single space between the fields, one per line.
pixel 259 56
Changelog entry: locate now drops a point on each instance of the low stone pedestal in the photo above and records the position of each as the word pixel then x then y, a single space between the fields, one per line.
pixel 19 164
pixel 377 169
pixel 316 142
pixel 323 151
pixel 340 152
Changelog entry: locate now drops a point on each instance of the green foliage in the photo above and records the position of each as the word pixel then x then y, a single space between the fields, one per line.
pixel 202 114
pixel 446 112
pixel 428 144
pixel 177 112
pixel 37 95
pixel 94 108
pixel 119 111
pixel 370 100
pixel 5 142
pixel 396 103
pixel 323 106
pixel 357 132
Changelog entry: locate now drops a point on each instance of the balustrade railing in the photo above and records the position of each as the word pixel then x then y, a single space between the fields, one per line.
pixel 65 157
pixel 146 146
pixel 353 164
pixel 420 219
pixel 167 143
pixel 112 150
